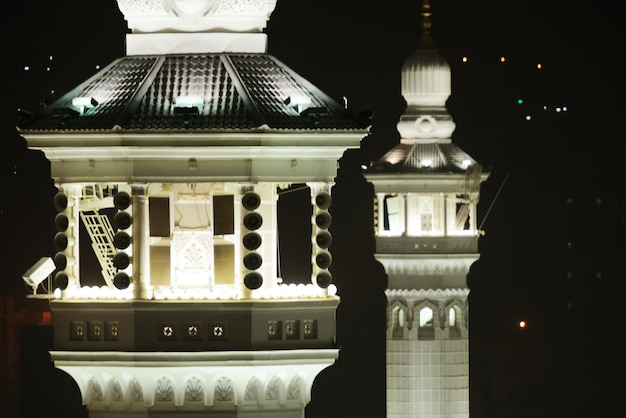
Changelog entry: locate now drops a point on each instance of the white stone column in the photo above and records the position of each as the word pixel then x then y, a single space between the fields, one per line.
pixel 73 192
pixel 141 241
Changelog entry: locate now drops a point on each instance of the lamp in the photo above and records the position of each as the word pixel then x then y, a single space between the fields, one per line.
pixel 39 272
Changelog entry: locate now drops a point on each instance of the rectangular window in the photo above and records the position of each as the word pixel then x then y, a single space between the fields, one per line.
pixel 223 215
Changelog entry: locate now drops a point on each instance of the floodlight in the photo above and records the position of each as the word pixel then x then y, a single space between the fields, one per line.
pixel 298 102
pixel 39 272
pixel 189 101
pixel 82 103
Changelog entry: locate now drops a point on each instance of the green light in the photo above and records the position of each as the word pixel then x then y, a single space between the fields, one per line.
pixel 520 101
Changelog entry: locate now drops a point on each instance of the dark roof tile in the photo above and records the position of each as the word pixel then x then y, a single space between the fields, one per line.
pixel 237 92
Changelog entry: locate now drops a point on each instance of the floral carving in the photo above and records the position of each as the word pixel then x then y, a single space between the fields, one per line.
pixel 272 389
pixel 94 388
pixel 193 390
pixel 293 390
pixel 134 388
pixel 251 389
pixel 164 391
pixel 223 389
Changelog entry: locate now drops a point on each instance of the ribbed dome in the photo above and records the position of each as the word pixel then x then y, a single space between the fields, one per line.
pixel 426 78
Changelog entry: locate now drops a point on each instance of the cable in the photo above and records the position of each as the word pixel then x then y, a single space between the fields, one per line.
pixel 480 227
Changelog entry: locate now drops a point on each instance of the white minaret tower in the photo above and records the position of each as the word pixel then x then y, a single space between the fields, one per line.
pixel 171 160
pixel 426 238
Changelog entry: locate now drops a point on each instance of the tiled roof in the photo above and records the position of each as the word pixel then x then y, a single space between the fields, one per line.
pixel 424 158
pixel 234 92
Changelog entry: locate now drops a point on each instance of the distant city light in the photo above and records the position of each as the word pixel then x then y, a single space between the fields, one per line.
pixel 464 59
pixel 539 66
pixel 50 58
pixel 26 68
pixel 502 59
pixel 528 117
pixel 97 66
pixel 520 101
pixel 48 69
pixel 522 324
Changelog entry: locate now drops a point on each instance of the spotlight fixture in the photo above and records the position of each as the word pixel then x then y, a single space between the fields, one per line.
pixel 39 272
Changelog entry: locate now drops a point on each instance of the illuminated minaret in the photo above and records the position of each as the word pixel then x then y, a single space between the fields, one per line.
pixel 426 238
pixel 170 163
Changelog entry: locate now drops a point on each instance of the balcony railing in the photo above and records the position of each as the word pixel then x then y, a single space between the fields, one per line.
pixel 427 245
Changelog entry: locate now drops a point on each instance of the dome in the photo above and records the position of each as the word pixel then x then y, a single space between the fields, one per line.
pixel 426 78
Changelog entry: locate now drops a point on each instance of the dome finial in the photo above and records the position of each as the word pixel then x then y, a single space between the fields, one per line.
pixel 426 42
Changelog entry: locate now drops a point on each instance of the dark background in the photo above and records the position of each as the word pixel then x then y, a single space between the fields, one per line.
pixel 552 209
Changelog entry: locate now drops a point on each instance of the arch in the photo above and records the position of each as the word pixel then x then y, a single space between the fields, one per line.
pixel 455 319
pixel 112 389
pixel 397 320
pixel 276 389
pixel 254 389
pixel 194 389
pixel 426 319
pixel 133 391
pixel 163 390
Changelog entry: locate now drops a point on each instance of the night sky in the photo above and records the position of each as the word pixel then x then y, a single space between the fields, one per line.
pixel 552 210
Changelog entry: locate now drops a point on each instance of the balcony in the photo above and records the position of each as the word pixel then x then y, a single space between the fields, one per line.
pixel 427 245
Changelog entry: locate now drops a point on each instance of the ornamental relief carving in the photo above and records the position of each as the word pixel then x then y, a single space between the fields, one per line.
pixel 152 8
pixel 252 389
pixel 432 267
pixel 164 390
pixel 224 389
pixel 113 390
pixel 194 389
pixel 295 388
pixel 273 387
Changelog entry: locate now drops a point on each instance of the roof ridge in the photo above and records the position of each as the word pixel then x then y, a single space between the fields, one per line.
pixel 135 100
pixel 243 91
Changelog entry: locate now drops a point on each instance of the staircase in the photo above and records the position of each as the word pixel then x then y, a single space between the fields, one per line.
pixel 101 233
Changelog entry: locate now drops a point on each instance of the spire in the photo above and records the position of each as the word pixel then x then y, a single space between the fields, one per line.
pixel 426 42
pixel 425 87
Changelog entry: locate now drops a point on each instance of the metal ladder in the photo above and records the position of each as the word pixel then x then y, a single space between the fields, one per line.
pixel 101 233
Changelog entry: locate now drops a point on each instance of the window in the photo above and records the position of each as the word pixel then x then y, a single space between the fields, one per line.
pixel 391 210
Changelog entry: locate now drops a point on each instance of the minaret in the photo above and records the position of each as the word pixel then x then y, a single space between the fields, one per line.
pixel 426 238
pixel 171 161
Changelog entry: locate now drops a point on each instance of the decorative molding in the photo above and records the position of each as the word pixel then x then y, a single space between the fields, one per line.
pixel 426 293
pixel 117 381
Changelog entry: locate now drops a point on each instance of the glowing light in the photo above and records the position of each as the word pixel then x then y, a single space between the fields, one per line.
pixel 26 68
pixel 539 66
pixel 502 59
pixel 520 101
pixel 50 58
pixel 97 66
pixel 189 101
pixel 558 110
pixel 298 102
pixel 426 163
pixel 466 163
pixel 522 324
pixel 528 117
pixel 331 289
pixel 464 59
